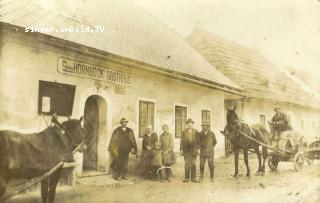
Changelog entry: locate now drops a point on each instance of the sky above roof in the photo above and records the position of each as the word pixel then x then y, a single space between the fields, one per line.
pixel 285 31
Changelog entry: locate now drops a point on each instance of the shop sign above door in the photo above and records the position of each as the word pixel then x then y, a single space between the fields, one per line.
pixel 78 68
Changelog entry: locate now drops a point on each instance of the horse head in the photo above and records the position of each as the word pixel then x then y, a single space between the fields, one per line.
pixel 74 130
pixel 232 116
pixel 233 123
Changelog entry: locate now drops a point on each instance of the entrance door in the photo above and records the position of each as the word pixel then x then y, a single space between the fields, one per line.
pixel 91 125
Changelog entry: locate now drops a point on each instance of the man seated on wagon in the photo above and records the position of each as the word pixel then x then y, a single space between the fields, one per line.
pixel 279 123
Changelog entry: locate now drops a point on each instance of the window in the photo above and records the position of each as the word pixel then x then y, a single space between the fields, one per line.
pixel 205 115
pixel 302 124
pixel 55 98
pixel 180 120
pixel 262 119
pixel 146 116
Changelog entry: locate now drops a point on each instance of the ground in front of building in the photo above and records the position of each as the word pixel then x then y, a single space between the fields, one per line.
pixel 285 185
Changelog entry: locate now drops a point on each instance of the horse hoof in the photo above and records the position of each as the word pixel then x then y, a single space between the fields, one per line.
pixel 248 177
pixel 258 173
pixel 235 176
pixel 262 173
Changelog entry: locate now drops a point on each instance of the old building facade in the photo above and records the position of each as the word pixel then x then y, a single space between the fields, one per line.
pixel 267 86
pixel 75 74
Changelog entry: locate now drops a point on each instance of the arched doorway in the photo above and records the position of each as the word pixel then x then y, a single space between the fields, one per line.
pixel 95 113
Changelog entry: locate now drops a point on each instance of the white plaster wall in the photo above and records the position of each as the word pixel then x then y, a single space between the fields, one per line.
pixel 251 109
pixel 22 66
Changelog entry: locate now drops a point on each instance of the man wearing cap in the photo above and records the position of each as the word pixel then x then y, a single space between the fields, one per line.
pixel 279 123
pixel 189 149
pixel 121 144
pixel 207 142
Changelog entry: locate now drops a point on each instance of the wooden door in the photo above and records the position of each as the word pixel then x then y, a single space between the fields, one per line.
pixel 91 125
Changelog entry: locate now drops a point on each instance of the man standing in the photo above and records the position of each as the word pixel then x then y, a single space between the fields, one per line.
pixel 189 148
pixel 207 142
pixel 121 144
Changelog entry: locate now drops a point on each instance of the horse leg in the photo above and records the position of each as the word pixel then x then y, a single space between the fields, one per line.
pixel 4 169
pixel 246 161
pixel 54 178
pixel 264 156
pixel 236 160
pixel 256 149
pixel 45 190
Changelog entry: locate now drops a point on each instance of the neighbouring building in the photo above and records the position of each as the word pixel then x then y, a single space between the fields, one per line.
pixel 266 85
pixel 130 66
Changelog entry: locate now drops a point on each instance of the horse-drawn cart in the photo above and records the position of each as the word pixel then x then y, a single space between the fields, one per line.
pixel 289 148
pixel 313 151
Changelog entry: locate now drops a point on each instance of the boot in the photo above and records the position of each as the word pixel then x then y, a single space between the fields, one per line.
pixel 201 176
pixel 211 176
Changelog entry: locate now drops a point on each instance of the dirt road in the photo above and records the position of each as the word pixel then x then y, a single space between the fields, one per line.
pixel 283 186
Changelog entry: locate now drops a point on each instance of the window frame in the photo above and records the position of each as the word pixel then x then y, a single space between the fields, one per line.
pixel 265 118
pixel 148 102
pixel 210 117
pixel 175 126
pixel 53 98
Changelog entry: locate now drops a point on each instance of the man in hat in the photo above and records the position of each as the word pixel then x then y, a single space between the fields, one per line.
pixel 207 142
pixel 279 122
pixel 189 149
pixel 121 144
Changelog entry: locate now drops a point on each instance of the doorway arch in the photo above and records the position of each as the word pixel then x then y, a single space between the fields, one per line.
pixel 95 120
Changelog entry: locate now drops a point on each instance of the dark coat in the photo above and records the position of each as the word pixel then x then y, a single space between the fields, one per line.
pixel 167 144
pixel 207 142
pixel 280 121
pixel 156 157
pixel 149 141
pixel 122 142
pixel 189 142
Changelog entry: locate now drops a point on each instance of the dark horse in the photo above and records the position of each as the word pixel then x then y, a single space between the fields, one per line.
pixel 32 155
pixel 236 132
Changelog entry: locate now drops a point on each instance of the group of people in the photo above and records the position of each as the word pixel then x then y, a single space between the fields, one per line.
pixel 157 153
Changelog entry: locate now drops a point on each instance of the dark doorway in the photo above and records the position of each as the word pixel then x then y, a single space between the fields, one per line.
pixel 91 125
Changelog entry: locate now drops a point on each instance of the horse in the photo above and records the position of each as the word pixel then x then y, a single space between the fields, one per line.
pixel 32 155
pixel 237 131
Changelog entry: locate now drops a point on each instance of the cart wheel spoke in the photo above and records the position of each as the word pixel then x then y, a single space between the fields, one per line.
pixel 273 162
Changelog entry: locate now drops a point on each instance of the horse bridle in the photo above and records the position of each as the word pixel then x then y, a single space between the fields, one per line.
pixel 68 134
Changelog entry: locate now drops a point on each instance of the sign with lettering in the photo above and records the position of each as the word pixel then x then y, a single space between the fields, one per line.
pixel 81 69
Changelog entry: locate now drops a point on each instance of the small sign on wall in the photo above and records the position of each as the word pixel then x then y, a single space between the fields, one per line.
pixel 120 89
pixel 45 104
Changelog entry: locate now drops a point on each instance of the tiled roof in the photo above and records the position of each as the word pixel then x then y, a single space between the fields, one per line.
pixel 246 67
pixel 129 32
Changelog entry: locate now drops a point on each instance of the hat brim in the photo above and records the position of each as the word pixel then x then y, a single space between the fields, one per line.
pixel 190 122
pixel 205 125
pixel 126 121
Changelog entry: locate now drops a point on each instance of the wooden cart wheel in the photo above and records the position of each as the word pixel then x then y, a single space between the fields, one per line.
pixel 273 162
pixel 309 161
pixel 298 161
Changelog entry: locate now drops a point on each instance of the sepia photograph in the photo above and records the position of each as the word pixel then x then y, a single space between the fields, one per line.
pixel 159 101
